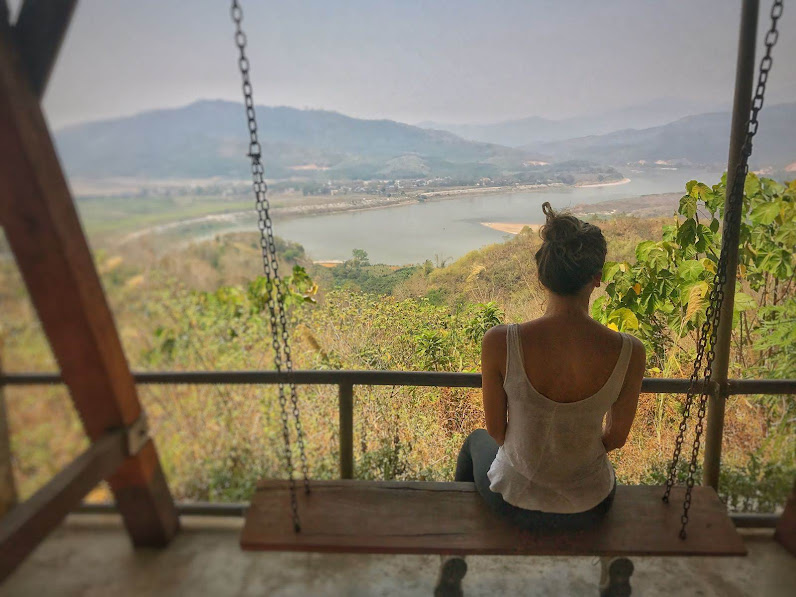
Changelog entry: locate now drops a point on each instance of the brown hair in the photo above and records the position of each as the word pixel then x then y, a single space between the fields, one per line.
pixel 572 252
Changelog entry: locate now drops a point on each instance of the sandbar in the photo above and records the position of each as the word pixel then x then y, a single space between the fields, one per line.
pixel 510 227
pixel 603 184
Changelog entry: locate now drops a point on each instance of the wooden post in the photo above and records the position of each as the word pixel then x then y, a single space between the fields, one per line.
pixel 346 413
pixel 742 105
pixel 8 491
pixel 786 527
pixel 45 235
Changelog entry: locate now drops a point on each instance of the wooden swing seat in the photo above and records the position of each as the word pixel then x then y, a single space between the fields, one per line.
pixel 450 518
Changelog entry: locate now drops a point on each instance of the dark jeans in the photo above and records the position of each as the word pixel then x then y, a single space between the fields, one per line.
pixel 475 458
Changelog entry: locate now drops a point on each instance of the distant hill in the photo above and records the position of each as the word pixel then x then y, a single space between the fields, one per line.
pixel 535 130
pixel 701 139
pixel 209 138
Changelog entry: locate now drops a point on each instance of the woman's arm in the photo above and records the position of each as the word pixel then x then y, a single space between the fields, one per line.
pixel 620 417
pixel 493 356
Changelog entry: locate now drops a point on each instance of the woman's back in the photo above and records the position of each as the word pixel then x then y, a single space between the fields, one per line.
pixel 567 359
pixel 560 380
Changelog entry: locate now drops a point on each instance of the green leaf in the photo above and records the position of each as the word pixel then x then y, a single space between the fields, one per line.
pixel 714 225
pixel 610 269
pixel 686 233
pixel 648 301
pixel 774 263
pixel 709 265
pixel 643 249
pixel 624 319
pixel 700 191
pixel 658 258
pixel 766 212
pixel 751 185
pixel 690 271
pixel 743 302
pixel 705 238
pixel 597 311
pixel 688 206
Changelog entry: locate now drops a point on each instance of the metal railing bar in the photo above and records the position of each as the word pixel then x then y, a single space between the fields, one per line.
pixel 761 386
pixel 754 520
pixel 654 385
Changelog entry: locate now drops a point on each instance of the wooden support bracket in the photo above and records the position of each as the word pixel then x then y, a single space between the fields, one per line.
pixel 23 528
pixel 46 237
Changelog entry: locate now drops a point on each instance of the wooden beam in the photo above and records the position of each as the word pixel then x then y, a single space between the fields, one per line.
pixel 45 235
pixel 39 31
pixel 22 529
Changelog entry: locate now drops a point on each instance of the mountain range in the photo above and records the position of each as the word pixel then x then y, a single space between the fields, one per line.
pixel 702 139
pixel 537 130
pixel 210 138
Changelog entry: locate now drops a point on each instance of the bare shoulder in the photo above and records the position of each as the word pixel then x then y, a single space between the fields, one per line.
pixel 493 350
pixel 638 358
pixel 495 337
pixel 638 345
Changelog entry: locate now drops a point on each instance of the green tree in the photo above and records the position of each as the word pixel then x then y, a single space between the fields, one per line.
pixel 662 296
pixel 359 258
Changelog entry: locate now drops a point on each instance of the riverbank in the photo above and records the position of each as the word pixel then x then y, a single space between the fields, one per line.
pixel 370 202
pixel 283 206
pixel 594 185
pixel 643 206
pixel 453 193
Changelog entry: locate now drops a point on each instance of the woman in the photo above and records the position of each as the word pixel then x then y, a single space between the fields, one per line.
pixel 548 384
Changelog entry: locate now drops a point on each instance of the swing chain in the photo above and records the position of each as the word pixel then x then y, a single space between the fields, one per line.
pixel 280 339
pixel 709 330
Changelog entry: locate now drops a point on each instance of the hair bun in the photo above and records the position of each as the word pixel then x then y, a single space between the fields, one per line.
pixel 559 228
pixel 572 253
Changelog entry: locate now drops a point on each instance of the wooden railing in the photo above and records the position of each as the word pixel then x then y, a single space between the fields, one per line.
pixel 347 380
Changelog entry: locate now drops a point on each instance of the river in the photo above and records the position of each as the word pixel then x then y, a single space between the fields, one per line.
pixel 447 229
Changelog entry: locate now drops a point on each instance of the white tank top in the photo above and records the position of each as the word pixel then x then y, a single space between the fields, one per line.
pixel 553 458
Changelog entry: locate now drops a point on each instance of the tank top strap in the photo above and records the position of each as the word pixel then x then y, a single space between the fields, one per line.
pixel 514 360
pixel 623 362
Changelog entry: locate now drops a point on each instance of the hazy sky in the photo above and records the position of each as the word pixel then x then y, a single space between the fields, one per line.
pixel 450 61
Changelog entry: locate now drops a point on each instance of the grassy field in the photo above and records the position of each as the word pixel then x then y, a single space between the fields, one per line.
pixel 106 216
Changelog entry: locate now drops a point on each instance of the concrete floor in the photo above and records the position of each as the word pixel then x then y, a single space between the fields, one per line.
pixel 90 556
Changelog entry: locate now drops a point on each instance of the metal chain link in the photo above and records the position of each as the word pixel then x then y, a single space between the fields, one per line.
pixel 709 330
pixel 280 338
